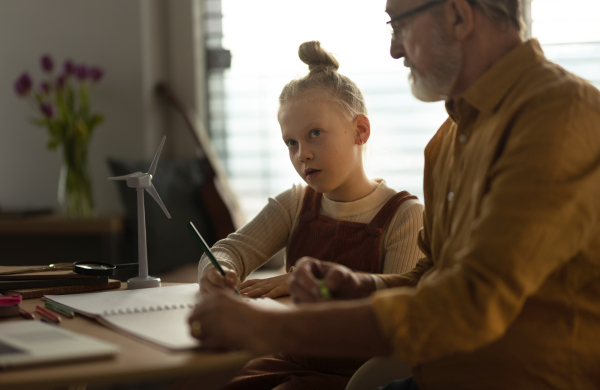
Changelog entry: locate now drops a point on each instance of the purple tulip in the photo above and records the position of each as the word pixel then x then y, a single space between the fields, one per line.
pixel 82 72
pixel 47 110
pixel 23 84
pixel 96 74
pixel 69 67
pixel 45 87
pixel 47 63
pixel 60 82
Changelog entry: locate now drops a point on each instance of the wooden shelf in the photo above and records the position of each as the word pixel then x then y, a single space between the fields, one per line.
pixel 55 224
pixel 47 239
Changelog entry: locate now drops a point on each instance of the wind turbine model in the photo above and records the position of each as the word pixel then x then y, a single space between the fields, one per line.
pixel 143 181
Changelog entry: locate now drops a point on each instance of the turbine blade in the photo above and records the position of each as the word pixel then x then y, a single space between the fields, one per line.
pixel 152 191
pixel 152 169
pixel 124 177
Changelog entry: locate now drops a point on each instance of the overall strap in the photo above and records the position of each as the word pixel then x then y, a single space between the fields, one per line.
pixel 310 205
pixel 384 215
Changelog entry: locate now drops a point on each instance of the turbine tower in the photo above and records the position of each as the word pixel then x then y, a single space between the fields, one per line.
pixel 143 181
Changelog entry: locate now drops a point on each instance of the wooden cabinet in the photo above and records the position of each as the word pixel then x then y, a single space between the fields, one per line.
pixel 55 239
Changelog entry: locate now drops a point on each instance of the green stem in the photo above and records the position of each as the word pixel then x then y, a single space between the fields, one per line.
pixel 78 187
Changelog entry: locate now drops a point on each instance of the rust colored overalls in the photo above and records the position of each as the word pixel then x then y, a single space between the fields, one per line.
pixel 355 245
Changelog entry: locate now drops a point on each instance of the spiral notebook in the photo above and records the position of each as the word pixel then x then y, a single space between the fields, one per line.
pixel 155 315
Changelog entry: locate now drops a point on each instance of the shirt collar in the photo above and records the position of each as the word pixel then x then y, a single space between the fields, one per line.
pixel 342 210
pixel 489 90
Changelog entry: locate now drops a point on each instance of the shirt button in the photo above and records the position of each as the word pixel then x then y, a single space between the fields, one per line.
pixel 450 196
pixel 462 138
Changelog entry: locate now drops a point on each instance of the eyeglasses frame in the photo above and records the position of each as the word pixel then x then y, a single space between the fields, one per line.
pixel 416 10
pixel 420 8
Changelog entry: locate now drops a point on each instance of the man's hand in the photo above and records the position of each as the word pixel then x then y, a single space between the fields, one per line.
pixel 224 321
pixel 344 329
pixel 213 282
pixel 343 283
pixel 267 288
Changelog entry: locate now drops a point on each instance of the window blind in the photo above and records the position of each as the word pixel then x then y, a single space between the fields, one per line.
pixel 264 35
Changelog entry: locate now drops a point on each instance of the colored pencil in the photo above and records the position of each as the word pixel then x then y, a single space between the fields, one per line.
pixel 208 252
pixel 60 309
pixel 25 314
pixel 49 315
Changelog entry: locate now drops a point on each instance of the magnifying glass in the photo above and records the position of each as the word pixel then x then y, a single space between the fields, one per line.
pixel 98 268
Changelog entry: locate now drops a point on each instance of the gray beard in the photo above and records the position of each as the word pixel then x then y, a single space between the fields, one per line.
pixel 439 83
pixel 425 89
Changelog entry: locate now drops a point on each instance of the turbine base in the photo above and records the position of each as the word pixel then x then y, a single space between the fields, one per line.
pixel 142 282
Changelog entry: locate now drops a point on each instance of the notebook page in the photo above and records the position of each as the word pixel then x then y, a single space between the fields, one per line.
pixel 170 329
pixel 157 315
pixel 129 301
pixel 166 329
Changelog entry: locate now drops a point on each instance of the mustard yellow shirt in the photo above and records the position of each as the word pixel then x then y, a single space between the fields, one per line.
pixel 508 293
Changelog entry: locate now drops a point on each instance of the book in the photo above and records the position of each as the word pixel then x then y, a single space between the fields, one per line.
pixel 57 274
pixel 37 283
pixel 9 311
pixel 29 293
pixel 153 315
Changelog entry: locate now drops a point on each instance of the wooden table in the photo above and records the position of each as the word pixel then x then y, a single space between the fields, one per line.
pixel 136 362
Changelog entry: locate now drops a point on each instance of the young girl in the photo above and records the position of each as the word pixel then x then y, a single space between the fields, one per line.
pixel 340 215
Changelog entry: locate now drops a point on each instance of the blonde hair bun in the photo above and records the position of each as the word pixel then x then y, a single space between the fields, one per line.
pixel 323 77
pixel 317 58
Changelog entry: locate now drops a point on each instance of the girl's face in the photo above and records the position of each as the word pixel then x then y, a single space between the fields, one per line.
pixel 324 146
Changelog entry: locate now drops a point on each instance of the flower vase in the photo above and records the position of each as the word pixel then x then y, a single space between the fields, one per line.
pixel 74 186
pixel 63 101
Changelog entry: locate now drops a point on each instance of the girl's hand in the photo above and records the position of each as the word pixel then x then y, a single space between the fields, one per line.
pixel 213 282
pixel 266 288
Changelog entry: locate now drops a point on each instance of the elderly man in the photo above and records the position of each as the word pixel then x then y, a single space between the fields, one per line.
pixel 508 293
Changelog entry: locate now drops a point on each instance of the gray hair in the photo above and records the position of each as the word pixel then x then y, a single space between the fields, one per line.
pixel 503 11
pixel 323 81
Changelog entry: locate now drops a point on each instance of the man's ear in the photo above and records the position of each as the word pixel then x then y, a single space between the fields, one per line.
pixel 363 129
pixel 461 19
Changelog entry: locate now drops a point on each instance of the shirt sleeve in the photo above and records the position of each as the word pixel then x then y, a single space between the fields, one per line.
pixel 421 262
pixel 540 208
pixel 401 250
pixel 258 240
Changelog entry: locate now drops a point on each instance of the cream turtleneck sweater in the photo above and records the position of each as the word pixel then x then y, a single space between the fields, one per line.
pixel 271 230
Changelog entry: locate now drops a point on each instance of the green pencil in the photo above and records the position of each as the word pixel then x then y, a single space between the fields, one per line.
pixel 324 290
pixel 60 309
pixel 208 252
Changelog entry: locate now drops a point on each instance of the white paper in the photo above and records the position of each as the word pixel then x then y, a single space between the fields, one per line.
pixel 124 301
pixel 169 330
pixel 158 315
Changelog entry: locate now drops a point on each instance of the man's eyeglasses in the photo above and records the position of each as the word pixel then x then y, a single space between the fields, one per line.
pixel 411 13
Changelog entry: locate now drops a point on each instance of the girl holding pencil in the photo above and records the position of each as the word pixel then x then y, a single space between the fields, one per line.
pixel 339 215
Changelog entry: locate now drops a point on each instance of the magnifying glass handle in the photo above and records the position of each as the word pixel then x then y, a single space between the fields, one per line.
pixel 51 267
pixel 127 266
